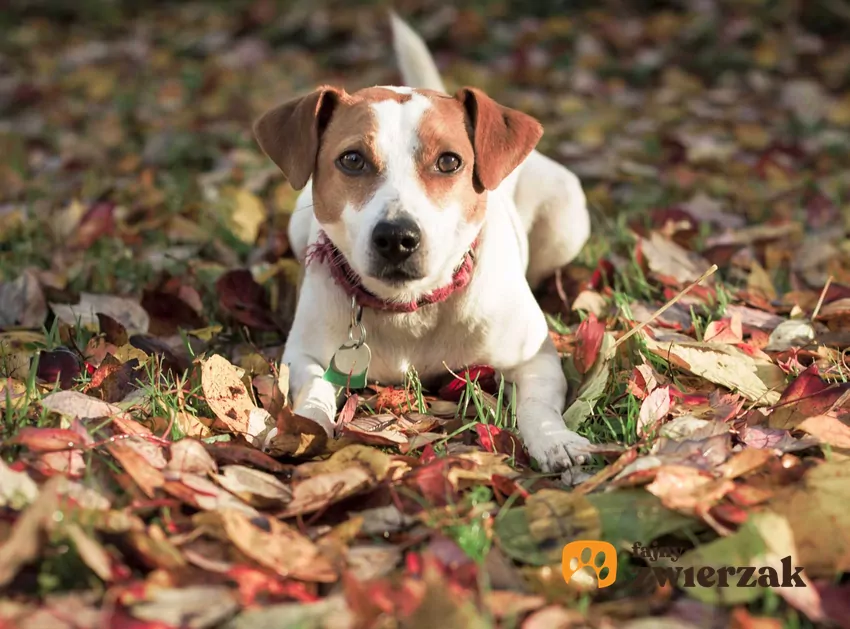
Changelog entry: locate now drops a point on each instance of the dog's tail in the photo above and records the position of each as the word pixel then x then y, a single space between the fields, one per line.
pixel 414 59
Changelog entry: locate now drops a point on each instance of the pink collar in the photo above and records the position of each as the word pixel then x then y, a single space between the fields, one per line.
pixel 324 251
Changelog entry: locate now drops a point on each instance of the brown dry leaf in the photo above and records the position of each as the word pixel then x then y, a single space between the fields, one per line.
pixel 91 551
pixel 23 543
pixel 828 428
pixel 668 259
pixel 688 489
pixel 197 606
pixel 371 458
pixel 745 462
pixel 297 436
pixel 553 514
pixel 321 490
pixel 653 408
pixel 204 494
pixel 381 430
pixel 145 475
pixel 190 455
pixel 79 405
pixel 192 426
pixel 816 509
pixel 486 464
pixel 507 604
pixel 757 379
pixel 226 394
pixel 128 312
pixel 278 546
pixel 257 488
pixel 22 302
pixel 17 489
pixel 760 283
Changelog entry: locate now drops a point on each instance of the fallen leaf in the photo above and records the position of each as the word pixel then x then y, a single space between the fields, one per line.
pixel 277 546
pixel 126 311
pixel 196 606
pixel 815 511
pixel 592 388
pixel 758 380
pixel 257 488
pixel 588 343
pixel 791 333
pixel 17 489
pixel 226 394
pixel 668 259
pixel 828 429
pixel 23 542
pixel 22 302
pixel 321 490
pixel 654 408
pixel 190 455
pixel 246 213
pixel 245 300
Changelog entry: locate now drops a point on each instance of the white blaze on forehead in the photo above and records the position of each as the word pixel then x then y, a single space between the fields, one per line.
pixel 397 138
pixel 398 89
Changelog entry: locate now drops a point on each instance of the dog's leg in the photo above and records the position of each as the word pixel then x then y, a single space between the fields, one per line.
pixel 553 210
pixel 317 332
pixel 312 397
pixel 541 391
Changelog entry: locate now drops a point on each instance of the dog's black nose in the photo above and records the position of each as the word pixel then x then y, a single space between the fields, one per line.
pixel 396 240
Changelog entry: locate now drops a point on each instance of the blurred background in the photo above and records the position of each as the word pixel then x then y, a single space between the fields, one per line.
pixel 125 126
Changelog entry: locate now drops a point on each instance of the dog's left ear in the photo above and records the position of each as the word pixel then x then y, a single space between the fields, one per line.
pixel 501 137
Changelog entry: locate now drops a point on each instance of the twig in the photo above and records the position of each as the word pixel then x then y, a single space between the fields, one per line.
pixel 822 297
pixel 661 310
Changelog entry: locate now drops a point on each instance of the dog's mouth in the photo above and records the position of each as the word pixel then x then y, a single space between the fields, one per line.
pixel 397 275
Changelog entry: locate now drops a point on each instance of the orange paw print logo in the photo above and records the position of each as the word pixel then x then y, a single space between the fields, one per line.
pixel 600 556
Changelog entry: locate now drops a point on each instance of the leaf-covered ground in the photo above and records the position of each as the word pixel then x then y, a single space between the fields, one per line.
pixel 146 288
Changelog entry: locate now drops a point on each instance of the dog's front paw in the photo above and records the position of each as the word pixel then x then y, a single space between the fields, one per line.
pixel 559 450
pixel 319 415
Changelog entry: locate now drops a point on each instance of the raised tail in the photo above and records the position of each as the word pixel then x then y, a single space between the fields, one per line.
pixel 414 59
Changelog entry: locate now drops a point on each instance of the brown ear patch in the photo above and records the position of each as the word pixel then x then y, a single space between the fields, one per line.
pixel 501 137
pixel 290 133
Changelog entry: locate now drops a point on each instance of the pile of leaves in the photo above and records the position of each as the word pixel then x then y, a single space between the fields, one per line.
pixel 153 473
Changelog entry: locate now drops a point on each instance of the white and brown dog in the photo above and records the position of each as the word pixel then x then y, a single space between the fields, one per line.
pixel 434 214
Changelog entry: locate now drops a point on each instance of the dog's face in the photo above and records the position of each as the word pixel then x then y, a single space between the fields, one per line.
pixel 400 176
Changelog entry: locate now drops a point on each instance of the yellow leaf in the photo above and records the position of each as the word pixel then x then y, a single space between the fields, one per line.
pixel 247 214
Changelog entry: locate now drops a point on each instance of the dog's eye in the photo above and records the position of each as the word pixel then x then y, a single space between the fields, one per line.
pixel 351 162
pixel 448 163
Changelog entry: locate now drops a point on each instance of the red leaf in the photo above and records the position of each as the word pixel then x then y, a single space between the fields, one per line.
pixel 603 275
pixel 48 439
pixel 485 377
pixel 807 396
pixel 428 454
pixel 588 341
pixel 495 439
pixel 254 583
pixel 169 313
pixel 97 222
pixel 61 364
pixel 245 300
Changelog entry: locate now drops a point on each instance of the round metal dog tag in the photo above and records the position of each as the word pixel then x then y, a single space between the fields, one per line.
pixel 349 366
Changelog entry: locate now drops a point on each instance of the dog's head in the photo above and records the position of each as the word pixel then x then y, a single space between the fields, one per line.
pixel 400 176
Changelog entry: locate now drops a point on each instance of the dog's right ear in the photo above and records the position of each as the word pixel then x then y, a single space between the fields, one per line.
pixel 290 133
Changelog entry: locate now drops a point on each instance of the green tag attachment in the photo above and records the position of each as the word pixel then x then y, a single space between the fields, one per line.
pixel 350 363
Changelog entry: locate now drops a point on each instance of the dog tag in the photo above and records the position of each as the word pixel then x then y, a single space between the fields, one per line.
pixel 349 366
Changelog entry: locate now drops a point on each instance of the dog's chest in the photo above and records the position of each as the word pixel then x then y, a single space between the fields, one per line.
pixel 424 341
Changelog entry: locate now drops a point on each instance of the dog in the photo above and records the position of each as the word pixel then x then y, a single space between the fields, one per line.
pixel 424 224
